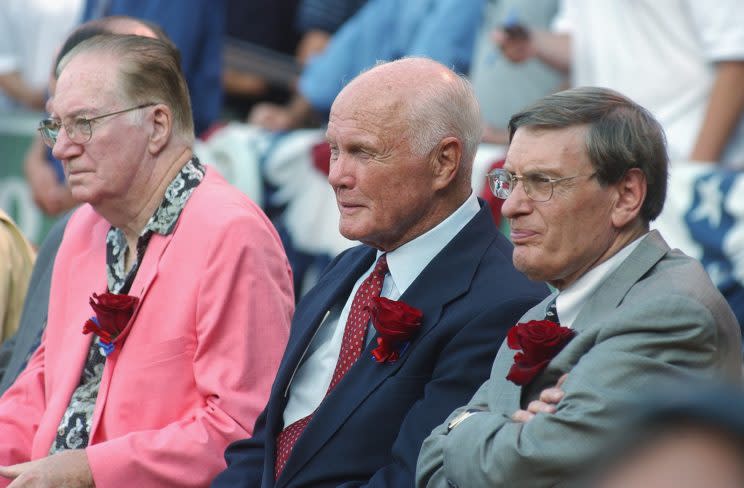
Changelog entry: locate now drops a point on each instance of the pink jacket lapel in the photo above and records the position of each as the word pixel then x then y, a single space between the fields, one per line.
pixel 146 275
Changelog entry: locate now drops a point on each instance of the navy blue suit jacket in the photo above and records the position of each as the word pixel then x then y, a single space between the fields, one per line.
pixel 369 429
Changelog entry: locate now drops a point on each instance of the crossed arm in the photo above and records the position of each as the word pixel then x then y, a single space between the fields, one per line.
pixel 529 448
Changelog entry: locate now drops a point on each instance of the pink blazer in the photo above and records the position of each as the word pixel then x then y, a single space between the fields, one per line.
pixel 196 369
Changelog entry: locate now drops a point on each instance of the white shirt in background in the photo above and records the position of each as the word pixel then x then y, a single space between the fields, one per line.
pixel 661 54
pixel 31 33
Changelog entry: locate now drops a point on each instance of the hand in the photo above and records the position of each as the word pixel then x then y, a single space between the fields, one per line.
pixel 516 49
pixel 18 89
pixel 549 398
pixel 273 117
pixel 69 469
pixel 312 44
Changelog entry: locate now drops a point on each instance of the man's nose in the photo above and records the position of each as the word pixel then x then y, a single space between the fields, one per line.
pixel 340 172
pixel 64 147
pixel 517 202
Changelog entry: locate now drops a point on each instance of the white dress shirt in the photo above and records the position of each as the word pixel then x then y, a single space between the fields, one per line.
pixel 308 387
pixel 31 32
pixel 569 301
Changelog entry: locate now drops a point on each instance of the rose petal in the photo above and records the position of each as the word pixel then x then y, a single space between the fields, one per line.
pixel 394 319
pixel 539 341
pixel 522 373
pixel 112 315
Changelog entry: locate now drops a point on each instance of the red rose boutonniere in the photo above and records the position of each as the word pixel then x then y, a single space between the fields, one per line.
pixel 396 323
pixel 112 314
pixel 539 341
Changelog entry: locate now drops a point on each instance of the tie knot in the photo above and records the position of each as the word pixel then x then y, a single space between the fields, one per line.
pixel 551 313
pixel 381 268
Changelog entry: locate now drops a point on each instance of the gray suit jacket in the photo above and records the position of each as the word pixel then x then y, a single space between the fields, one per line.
pixel 656 318
pixel 14 352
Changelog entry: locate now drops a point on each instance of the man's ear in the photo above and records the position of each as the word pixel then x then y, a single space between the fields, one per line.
pixel 631 193
pixel 446 162
pixel 162 127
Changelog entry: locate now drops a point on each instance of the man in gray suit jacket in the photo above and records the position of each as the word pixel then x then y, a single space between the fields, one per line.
pixel 585 173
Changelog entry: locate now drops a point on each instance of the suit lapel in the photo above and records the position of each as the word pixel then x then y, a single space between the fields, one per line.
pixel 613 289
pixel 80 275
pixel 607 297
pixel 448 276
pixel 76 312
pixel 333 288
pixel 144 279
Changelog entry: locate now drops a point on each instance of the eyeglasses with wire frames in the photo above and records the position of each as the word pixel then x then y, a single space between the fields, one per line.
pixel 538 187
pixel 80 129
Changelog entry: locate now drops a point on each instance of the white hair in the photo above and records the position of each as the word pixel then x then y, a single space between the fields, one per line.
pixel 448 109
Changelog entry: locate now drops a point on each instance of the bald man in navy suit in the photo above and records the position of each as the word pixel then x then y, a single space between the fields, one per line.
pixel 403 137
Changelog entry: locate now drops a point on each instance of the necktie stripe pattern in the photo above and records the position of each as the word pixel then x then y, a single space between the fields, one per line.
pixel 352 344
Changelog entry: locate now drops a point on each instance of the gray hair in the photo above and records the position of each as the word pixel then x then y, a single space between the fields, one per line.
pixel 621 135
pixel 442 110
pixel 149 71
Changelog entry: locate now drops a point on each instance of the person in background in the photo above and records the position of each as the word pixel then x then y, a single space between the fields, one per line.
pixel 690 438
pixel 269 41
pixel 502 87
pixel 197 28
pixel 690 57
pixel 30 31
pixel 258 54
pixel 443 30
pixel 171 295
pixel 16 261
pixel 318 20
pixel 17 349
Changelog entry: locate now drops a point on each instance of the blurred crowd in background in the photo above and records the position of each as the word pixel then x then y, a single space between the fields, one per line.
pixel 263 74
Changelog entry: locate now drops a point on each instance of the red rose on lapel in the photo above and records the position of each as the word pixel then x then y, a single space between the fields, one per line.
pixel 112 314
pixel 539 341
pixel 396 324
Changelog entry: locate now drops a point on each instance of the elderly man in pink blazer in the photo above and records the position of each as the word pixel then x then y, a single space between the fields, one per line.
pixel 171 295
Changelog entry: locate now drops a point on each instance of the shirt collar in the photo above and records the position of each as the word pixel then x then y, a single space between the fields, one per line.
pixel 569 301
pixel 407 262
pixel 163 222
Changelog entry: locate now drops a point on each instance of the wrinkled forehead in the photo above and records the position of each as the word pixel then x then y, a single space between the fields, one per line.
pixel 87 80
pixel 365 124
pixel 370 104
pixel 548 149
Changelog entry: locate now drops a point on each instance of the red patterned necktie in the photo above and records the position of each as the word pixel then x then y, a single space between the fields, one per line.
pixel 351 347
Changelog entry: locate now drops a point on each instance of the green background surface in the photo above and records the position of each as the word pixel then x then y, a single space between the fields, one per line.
pixel 16 132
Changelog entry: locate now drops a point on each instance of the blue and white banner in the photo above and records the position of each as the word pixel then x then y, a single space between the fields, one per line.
pixel 704 217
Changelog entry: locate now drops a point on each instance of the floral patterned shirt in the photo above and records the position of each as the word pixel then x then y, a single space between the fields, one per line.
pixel 74 428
